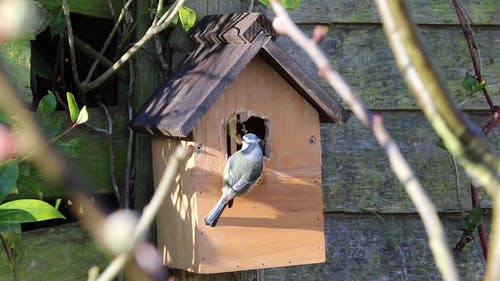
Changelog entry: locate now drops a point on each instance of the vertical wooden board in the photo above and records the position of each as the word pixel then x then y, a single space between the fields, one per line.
pixel 177 217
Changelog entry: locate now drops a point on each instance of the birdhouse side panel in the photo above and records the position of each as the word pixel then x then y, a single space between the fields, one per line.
pixel 176 221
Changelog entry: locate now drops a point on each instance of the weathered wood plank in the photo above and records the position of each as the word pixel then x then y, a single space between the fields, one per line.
pixel 358 178
pixel 364 11
pixel 63 253
pixel 360 247
pixel 368 247
pixel 363 57
pixel 329 109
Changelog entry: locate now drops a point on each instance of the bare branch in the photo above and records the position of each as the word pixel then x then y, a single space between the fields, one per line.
pixel 422 78
pixel 108 40
pixel 425 208
pixel 162 23
pixel 71 42
pixel 130 141
pixel 473 51
pixel 462 141
pixel 176 162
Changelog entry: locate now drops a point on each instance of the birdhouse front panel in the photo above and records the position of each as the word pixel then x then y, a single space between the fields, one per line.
pixel 281 221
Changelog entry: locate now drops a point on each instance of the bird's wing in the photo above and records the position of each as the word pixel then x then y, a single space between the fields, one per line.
pixel 242 175
pixel 242 184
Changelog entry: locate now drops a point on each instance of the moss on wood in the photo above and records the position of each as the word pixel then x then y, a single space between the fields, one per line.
pixel 388 247
pixel 364 11
pixel 357 176
pixel 363 57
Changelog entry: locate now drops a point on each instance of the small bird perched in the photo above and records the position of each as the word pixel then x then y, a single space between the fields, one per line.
pixel 241 173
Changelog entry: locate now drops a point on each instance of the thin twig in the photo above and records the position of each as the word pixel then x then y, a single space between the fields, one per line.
pixel 52 165
pixel 478 159
pixel 71 41
pixel 483 237
pixel 111 9
pixel 159 9
pixel 163 23
pixel 108 40
pixel 109 137
pixel 130 142
pixel 424 206
pixel 93 54
pixel 10 257
pixel 473 48
pixel 250 6
pixel 164 65
pixel 176 162
pixel 457 186
pixel 475 55
pixel 493 259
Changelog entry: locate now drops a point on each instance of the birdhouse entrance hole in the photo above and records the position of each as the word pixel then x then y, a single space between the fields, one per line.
pixel 240 124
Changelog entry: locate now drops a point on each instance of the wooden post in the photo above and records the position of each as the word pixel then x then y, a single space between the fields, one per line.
pixel 147 80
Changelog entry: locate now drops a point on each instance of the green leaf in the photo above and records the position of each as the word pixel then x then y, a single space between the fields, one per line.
pixel 265 2
pixel 58 23
pixel 440 144
pixel 93 8
pixel 83 116
pixel 9 171
pixel 4 120
pixel 187 17
pixel 58 203
pixel 478 87
pixel 27 210
pixel 29 187
pixel 47 105
pixel 175 20
pixel 473 220
pixel 288 4
pixel 472 85
pixel 72 147
pixel 74 111
pixel 11 233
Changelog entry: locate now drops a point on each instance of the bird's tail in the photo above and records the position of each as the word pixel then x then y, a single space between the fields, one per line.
pixel 213 216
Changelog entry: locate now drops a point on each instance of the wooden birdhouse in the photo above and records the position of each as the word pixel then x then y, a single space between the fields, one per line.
pixel 237 80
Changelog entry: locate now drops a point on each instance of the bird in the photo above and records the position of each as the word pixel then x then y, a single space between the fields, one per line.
pixel 241 172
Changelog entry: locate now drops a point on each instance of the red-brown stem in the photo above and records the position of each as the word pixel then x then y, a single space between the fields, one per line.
pixel 468 36
pixel 483 237
pixel 10 257
pixel 492 124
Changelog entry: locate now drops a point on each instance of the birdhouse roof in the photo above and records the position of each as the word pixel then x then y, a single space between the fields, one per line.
pixel 224 45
